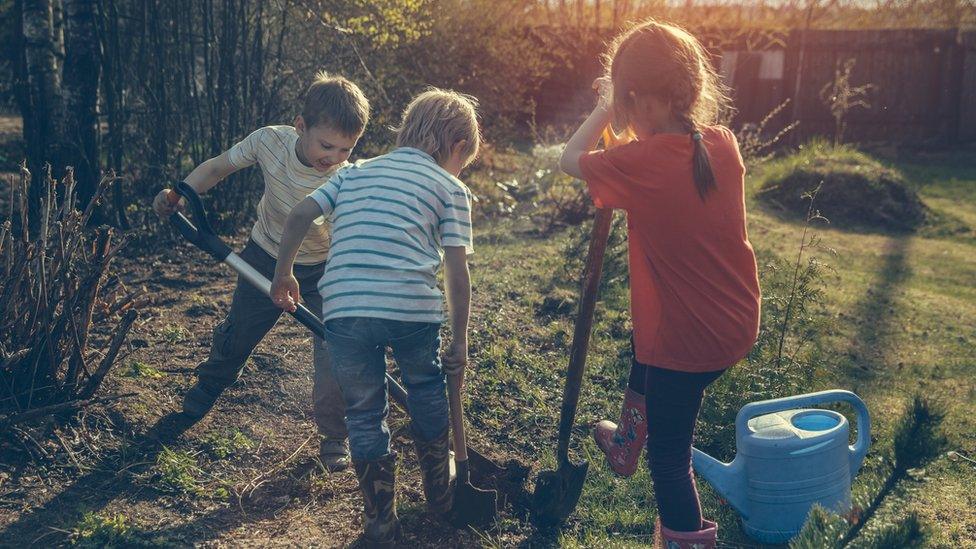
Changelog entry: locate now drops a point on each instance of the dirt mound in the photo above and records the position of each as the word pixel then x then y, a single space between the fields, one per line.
pixel 856 192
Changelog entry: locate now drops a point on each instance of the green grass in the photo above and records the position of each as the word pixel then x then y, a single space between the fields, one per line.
pixel 178 472
pixel 222 445
pixel 96 530
pixel 896 318
pixel 141 369
pixel 174 333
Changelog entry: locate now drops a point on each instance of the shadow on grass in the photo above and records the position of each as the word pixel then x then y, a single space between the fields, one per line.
pixel 92 491
pixel 876 315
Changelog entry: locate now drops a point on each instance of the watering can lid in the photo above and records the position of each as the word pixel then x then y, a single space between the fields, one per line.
pixel 795 424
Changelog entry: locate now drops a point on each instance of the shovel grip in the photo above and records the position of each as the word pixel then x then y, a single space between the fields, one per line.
pixel 202 234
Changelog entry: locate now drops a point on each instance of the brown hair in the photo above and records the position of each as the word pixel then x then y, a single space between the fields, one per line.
pixel 337 102
pixel 665 61
pixel 437 119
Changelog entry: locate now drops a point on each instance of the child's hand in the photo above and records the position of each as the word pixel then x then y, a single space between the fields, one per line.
pixel 604 89
pixel 163 207
pixel 455 359
pixel 285 292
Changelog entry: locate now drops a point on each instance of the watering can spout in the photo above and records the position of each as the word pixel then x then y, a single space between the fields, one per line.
pixel 728 479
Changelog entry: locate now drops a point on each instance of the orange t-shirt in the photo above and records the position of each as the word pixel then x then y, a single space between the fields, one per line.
pixel 694 287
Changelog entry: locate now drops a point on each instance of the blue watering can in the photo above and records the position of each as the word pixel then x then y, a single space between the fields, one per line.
pixel 787 459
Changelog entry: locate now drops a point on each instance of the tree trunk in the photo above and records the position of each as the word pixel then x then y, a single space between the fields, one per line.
pixel 82 68
pixel 112 92
pixel 45 112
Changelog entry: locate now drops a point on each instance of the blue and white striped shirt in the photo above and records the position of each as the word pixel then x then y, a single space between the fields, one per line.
pixel 391 217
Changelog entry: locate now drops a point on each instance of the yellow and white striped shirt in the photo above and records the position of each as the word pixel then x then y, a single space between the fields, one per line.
pixel 286 183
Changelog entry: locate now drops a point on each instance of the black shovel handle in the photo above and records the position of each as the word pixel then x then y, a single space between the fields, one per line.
pixel 203 237
pixel 202 234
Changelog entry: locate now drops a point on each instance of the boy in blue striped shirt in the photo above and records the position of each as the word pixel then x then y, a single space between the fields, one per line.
pixel 395 218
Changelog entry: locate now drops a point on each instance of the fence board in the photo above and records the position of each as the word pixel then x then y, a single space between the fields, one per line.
pixel 924 82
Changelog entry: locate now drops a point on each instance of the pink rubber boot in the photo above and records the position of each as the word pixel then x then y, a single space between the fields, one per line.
pixel 706 538
pixel 623 443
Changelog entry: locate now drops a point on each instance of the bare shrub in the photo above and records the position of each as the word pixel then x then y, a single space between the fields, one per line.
pixel 64 318
pixel 757 142
pixel 841 97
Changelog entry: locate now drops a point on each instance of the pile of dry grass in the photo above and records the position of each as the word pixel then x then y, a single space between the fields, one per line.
pixel 856 191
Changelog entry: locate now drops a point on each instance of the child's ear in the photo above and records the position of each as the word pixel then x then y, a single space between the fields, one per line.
pixel 299 124
pixel 458 148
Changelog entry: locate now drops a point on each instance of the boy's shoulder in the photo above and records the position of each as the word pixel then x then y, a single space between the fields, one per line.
pixel 274 137
pixel 419 158
pixel 282 132
pixel 411 162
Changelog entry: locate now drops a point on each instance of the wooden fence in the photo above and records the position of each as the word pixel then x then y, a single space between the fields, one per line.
pixel 923 83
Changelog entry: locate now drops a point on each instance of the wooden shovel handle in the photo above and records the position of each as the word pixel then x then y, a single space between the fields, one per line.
pixel 584 325
pixel 584 318
pixel 454 383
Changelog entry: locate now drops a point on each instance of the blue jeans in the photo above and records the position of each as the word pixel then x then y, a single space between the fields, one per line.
pixel 358 348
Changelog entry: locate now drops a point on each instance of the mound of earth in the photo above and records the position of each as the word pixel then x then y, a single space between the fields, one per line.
pixel 855 191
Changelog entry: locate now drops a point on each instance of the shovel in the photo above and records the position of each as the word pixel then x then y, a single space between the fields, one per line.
pixel 557 492
pixel 204 238
pixel 472 506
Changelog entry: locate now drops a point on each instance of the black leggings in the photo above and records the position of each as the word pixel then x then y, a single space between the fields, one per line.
pixel 673 400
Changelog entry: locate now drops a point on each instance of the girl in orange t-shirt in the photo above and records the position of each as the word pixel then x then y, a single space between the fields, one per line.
pixel 694 285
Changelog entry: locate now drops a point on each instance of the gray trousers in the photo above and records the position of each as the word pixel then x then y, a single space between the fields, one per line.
pixel 251 316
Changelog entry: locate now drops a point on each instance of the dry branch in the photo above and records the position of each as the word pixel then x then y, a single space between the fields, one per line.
pixel 55 319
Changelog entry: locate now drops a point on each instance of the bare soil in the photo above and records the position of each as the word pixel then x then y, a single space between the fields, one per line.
pixel 277 494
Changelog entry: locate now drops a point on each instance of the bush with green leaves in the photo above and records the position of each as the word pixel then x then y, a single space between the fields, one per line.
pixel 508 183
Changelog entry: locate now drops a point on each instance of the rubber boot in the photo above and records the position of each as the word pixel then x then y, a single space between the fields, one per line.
pixel 622 443
pixel 435 468
pixel 377 480
pixel 706 538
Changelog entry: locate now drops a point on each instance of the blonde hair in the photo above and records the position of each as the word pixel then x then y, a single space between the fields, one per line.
pixel 436 120
pixel 665 61
pixel 337 102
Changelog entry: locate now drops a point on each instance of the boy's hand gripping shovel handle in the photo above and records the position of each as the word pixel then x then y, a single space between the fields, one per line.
pixel 202 236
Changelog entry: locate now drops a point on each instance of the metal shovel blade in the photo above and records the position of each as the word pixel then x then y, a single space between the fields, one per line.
pixel 557 493
pixel 472 506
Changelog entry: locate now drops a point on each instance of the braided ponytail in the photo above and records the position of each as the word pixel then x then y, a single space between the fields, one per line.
pixel 701 166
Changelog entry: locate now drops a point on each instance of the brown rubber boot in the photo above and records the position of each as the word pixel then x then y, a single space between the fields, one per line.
pixel 435 467
pixel 706 538
pixel 377 480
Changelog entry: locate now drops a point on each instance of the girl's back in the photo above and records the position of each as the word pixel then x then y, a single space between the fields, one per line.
pixel 695 289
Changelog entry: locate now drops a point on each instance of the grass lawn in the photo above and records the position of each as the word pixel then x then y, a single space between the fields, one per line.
pixel 897 317
pixel 900 318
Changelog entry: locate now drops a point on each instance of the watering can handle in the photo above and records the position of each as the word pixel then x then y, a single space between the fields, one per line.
pixel 860 447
